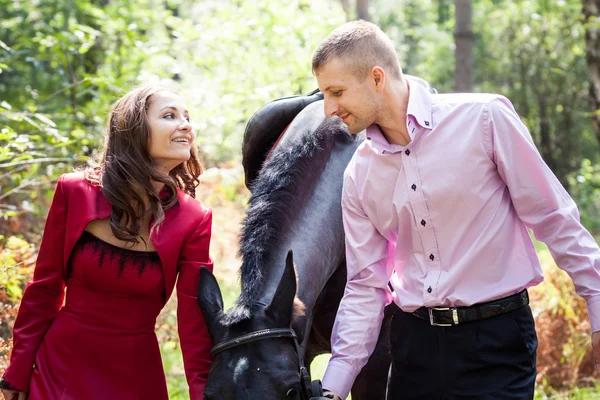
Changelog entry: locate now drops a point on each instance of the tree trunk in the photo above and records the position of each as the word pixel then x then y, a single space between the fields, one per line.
pixel 346 8
pixel 362 7
pixel 591 12
pixel 546 137
pixel 463 54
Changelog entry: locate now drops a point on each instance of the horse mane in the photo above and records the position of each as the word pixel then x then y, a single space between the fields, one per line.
pixel 284 184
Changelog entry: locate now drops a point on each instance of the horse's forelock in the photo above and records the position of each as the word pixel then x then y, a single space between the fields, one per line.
pixel 236 315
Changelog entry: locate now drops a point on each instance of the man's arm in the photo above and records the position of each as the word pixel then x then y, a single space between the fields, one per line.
pixel 360 314
pixel 545 207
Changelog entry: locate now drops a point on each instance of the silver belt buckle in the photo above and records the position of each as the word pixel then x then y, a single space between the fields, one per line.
pixel 454 315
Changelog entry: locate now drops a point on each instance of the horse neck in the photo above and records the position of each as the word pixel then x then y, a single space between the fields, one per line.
pixel 316 235
pixel 295 205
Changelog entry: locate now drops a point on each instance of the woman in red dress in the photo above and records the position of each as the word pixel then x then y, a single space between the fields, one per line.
pixel 118 237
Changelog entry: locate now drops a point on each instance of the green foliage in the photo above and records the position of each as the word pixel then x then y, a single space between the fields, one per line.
pixel 16 260
pixel 173 365
pixel 584 393
pixel 14 269
pixel 534 52
pixel 62 64
pixel 241 55
pixel 585 189
pixel 422 33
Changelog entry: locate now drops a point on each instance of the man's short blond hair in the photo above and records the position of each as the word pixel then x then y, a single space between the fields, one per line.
pixel 362 45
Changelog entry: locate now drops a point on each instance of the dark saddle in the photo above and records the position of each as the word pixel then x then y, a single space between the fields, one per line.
pixel 267 124
pixel 265 127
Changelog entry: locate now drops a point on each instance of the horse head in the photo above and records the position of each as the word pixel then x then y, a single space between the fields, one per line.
pixel 253 357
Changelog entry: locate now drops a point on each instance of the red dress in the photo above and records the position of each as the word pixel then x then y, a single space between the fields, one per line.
pixel 101 344
pixel 115 293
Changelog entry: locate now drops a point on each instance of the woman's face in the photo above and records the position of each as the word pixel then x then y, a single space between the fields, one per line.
pixel 171 135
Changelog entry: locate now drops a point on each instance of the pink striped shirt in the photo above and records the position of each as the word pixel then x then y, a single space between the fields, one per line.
pixel 449 213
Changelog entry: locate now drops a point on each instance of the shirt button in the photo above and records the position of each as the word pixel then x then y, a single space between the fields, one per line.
pixel 429 289
pixel 413 187
pixel 407 152
pixel 423 222
pixel 431 257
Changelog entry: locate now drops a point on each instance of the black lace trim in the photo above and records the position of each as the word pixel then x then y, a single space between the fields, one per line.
pixel 139 260
pixel 4 384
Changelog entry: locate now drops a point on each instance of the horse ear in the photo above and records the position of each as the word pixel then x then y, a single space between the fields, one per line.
pixel 282 304
pixel 211 304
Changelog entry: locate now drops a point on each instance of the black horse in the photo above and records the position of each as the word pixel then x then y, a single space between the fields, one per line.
pixel 295 204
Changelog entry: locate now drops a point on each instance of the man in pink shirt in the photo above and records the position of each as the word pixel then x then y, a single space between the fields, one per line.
pixel 437 200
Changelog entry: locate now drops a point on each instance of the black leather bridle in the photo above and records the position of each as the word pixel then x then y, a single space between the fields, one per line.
pixel 305 383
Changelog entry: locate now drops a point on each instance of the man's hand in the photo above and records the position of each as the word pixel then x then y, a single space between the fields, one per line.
pixel 13 394
pixel 596 349
pixel 331 395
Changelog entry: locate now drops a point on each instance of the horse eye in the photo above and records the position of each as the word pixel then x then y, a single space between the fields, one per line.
pixel 291 393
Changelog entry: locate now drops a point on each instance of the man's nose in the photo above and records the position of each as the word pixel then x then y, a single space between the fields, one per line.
pixel 331 108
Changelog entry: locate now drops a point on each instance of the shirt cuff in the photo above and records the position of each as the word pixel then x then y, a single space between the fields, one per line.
pixel 339 378
pixel 593 305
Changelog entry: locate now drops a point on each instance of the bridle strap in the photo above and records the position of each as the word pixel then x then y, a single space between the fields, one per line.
pixel 252 337
pixel 268 334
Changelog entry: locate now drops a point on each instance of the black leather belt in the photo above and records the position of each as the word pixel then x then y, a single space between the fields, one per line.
pixel 449 316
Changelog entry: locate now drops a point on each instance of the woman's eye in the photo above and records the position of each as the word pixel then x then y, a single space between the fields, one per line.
pixel 168 116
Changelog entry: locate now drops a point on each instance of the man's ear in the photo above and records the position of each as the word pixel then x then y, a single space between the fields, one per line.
pixel 378 76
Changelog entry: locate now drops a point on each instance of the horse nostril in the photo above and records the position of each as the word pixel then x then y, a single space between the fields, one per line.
pixel 291 393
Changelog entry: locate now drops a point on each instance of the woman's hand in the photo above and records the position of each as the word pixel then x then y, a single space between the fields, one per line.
pixel 13 394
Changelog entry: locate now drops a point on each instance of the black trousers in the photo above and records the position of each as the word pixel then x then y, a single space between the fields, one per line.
pixel 490 359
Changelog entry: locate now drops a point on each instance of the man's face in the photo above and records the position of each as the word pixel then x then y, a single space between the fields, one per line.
pixel 354 100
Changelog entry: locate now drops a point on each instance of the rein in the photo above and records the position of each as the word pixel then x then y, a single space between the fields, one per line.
pixel 305 382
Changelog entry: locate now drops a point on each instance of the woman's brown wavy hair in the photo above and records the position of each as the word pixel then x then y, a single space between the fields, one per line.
pixel 126 172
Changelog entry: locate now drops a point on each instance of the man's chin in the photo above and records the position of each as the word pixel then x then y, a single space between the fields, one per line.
pixel 355 129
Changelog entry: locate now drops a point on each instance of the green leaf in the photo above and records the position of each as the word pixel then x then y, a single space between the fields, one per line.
pixel 45 119
pixel 32 122
pixel 4 46
pixel 14 290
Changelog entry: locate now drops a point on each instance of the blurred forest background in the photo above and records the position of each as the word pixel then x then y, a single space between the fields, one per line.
pixel 64 62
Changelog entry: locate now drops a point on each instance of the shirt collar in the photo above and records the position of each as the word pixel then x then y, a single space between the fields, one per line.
pixel 419 105
pixel 376 137
pixel 418 111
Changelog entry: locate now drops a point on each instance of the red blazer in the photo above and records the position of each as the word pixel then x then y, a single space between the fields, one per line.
pixel 182 243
